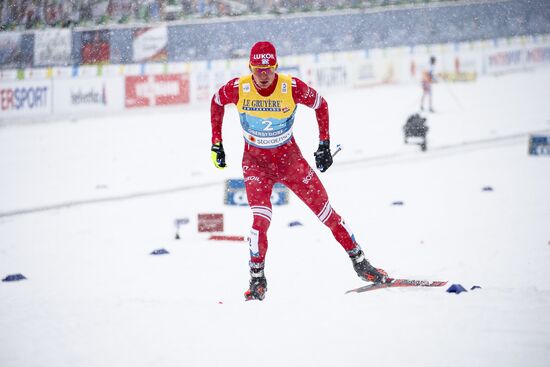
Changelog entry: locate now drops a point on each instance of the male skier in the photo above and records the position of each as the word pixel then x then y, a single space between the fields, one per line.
pixel 428 78
pixel 267 103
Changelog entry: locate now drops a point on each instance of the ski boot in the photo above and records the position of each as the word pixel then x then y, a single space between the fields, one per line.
pixel 258 283
pixel 365 270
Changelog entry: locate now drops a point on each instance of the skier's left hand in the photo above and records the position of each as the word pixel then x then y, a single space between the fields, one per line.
pixel 323 157
pixel 218 155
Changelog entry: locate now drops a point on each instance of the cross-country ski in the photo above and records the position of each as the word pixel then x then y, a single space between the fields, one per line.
pixel 391 283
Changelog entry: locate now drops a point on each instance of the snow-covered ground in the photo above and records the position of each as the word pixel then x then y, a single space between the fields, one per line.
pixel 83 203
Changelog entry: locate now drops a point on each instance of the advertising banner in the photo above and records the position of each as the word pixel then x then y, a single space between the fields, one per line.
pixel 466 62
pixel 10 49
pixel 538 56
pixel 504 60
pixel 293 70
pixel 539 145
pixel 461 66
pixel 8 75
pixel 372 72
pixel 330 76
pixel 25 97
pixel 150 44
pixel 95 48
pixel 364 74
pixel 202 86
pixel 88 95
pixel 156 90
pixel 210 222
pixel 52 47
pixel 235 193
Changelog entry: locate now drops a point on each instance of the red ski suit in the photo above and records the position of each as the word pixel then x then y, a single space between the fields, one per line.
pixel 262 168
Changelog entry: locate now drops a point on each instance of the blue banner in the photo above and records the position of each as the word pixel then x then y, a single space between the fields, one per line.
pixel 539 145
pixel 235 193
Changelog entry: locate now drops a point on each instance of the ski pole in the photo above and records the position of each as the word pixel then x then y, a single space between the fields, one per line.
pixel 338 148
pixel 453 95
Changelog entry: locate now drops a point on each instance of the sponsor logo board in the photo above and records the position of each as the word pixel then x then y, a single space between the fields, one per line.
pixel 88 94
pixel 10 49
pixel 538 55
pixel 505 60
pixel 150 44
pixel 331 76
pixel 25 98
pixel 210 222
pixel 235 192
pixel 52 47
pixel 539 145
pixel 156 90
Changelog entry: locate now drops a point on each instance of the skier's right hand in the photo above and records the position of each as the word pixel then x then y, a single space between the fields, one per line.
pixel 218 155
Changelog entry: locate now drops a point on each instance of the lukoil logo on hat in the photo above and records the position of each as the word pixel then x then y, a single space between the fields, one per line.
pixel 263 54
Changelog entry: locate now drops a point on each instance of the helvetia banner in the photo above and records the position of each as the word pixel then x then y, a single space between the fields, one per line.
pixel 88 95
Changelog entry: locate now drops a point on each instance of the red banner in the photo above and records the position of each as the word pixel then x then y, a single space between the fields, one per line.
pixel 157 90
pixel 210 222
pixel 95 48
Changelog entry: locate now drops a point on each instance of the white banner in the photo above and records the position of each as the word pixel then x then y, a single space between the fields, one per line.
pixel 327 76
pixel 150 44
pixel 52 47
pixel 504 59
pixel 25 97
pixel 375 71
pixel 88 95
pixel 202 90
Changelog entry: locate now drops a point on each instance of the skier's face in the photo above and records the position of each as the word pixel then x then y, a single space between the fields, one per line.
pixel 263 76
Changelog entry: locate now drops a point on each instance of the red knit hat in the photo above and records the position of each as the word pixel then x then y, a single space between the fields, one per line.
pixel 263 54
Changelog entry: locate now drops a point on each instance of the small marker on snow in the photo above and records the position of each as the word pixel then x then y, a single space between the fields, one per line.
pixel 456 288
pixel 14 278
pixel 295 223
pixel 160 251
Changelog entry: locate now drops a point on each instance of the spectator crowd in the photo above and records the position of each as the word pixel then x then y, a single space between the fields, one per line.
pixel 20 15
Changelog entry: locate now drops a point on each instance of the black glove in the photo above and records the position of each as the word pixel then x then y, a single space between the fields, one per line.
pixel 323 157
pixel 218 155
